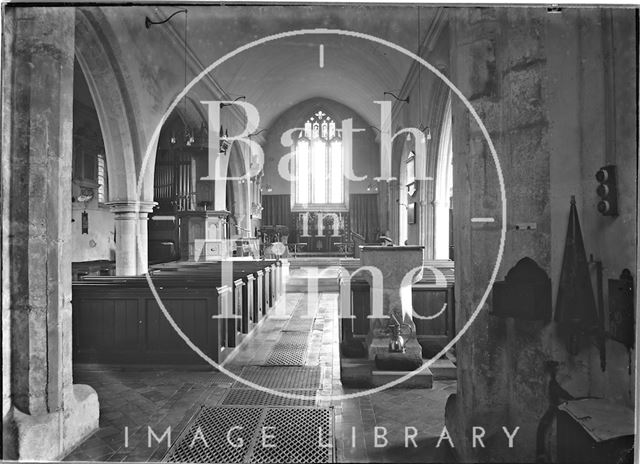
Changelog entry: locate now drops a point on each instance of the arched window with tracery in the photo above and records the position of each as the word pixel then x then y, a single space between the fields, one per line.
pixel 318 163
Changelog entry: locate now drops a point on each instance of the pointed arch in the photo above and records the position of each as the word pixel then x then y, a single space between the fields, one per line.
pixel 444 187
pixel 113 103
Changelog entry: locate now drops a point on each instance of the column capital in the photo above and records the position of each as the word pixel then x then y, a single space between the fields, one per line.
pixel 131 206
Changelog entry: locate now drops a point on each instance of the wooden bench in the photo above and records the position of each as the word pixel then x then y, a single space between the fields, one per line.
pixel 130 327
pixel 272 275
pixel 99 267
pixel 120 321
pixel 256 288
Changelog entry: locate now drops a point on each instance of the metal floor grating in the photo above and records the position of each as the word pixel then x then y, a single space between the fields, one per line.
pixel 304 431
pixel 252 397
pixel 293 338
pixel 214 424
pixel 289 350
pixel 298 433
pixel 282 377
pixel 287 356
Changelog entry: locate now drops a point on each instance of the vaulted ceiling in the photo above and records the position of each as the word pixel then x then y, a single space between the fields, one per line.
pixel 279 74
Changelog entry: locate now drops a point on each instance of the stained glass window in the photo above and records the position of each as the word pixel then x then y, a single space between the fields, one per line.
pixel 319 163
pixel 102 178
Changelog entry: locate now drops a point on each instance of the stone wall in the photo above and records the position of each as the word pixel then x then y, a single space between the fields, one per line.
pixel 366 151
pixel 99 243
pixel 539 83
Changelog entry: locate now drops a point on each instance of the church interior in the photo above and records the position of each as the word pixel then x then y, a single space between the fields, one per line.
pixel 319 233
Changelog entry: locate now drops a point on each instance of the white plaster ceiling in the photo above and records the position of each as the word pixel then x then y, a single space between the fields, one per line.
pixel 280 74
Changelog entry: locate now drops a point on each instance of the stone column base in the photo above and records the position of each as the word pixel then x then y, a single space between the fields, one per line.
pixel 49 437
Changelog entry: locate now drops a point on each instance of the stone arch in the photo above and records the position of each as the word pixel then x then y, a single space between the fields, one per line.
pixel 365 161
pixel 403 196
pixel 101 74
pixel 438 103
pixel 238 166
pixel 113 102
pixel 443 185
pixel 119 116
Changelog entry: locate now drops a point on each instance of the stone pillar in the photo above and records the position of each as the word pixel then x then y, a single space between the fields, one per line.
pixel 143 243
pixel 501 63
pixel 126 232
pixel 131 236
pixel 48 415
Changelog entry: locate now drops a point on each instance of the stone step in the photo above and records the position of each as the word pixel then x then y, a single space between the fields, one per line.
pixel 362 373
pixel 304 280
pixel 299 282
pixel 297 263
pixel 443 369
pixel 302 287
pixel 422 379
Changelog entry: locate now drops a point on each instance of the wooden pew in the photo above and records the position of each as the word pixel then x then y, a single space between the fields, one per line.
pixel 99 267
pixel 120 321
pixel 272 285
pixel 131 329
pixel 429 297
pixel 211 275
pixel 248 280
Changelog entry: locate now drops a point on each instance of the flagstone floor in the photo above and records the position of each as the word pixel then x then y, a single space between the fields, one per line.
pixel 134 399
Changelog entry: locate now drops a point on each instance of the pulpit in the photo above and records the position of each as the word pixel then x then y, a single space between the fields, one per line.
pixel 204 235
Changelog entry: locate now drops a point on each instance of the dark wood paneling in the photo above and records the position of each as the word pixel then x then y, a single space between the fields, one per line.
pixel 132 329
pixel 429 302
pixel 117 319
pixel 361 300
pixel 428 298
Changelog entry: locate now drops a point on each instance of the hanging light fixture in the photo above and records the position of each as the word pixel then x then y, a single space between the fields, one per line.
pixel 222 105
pixel 188 135
pixel 224 140
pixel 426 131
pixel 420 79
pixel 148 23
pixel 406 100
pixel 224 133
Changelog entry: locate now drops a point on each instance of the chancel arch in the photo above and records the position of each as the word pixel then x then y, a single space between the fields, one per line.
pixel 321 217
